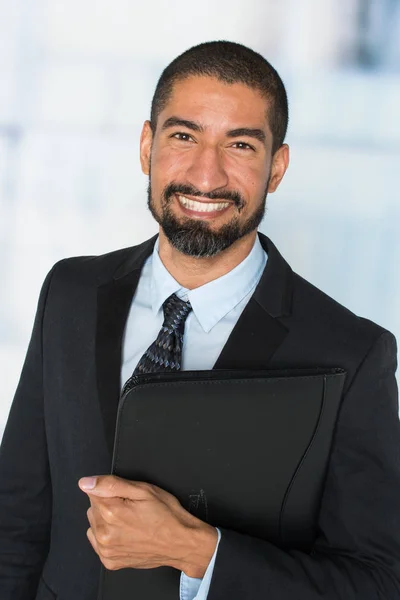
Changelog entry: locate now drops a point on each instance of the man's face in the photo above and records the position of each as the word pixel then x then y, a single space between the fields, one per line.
pixel 210 165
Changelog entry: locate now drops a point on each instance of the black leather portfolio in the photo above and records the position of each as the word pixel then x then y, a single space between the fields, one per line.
pixel 243 450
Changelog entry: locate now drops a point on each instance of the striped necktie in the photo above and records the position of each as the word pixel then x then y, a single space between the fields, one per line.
pixel 165 353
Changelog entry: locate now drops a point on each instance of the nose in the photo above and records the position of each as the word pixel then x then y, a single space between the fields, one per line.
pixel 207 172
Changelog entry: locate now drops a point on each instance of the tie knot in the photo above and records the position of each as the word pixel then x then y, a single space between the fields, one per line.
pixel 175 312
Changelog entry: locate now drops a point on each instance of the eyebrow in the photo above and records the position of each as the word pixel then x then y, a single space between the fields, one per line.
pixel 177 122
pixel 255 133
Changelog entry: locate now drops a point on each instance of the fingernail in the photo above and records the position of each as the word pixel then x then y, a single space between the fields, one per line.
pixel 88 483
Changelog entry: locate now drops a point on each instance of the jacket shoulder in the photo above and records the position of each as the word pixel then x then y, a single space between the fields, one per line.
pixel 332 320
pixel 98 269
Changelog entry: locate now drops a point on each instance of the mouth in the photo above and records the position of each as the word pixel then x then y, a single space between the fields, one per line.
pixel 202 208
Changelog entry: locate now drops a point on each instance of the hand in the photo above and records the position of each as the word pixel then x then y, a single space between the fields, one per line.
pixel 138 525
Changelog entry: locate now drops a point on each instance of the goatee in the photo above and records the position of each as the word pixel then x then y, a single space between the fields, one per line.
pixel 194 237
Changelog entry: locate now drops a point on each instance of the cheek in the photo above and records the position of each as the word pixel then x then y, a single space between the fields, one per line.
pixel 160 175
pixel 169 165
pixel 166 168
pixel 254 181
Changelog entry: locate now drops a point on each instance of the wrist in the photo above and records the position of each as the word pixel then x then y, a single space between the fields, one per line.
pixel 199 546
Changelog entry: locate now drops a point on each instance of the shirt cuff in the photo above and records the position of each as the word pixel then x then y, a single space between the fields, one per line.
pixel 193 588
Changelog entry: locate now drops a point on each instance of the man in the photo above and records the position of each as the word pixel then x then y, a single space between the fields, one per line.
pixel 213 150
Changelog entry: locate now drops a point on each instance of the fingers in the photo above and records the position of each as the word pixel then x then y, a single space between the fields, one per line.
pixel 92 540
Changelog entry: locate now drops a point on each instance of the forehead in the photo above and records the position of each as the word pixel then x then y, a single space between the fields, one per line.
pixel 213 102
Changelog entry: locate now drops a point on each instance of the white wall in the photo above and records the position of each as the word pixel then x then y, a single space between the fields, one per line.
pixel 76 80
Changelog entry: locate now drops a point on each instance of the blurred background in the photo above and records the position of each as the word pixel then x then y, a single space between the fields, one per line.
pixel 76 81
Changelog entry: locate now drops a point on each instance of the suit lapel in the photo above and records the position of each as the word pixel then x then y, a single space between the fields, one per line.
pixel 259 332
pixel 114 299
pixel 254 339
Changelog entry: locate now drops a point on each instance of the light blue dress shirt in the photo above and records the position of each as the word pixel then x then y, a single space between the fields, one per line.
pixel 217 306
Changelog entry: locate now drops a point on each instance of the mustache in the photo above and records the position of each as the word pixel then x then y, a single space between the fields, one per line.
pixel 189 190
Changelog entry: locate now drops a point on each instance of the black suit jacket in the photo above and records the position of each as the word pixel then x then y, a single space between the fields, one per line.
pixel 62 420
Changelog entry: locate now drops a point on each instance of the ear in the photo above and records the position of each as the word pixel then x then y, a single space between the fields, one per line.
pixel 280 163
pixel 146 140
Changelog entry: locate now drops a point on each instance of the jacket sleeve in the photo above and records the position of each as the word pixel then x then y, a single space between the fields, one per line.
pixel 25 486
pixel 357 549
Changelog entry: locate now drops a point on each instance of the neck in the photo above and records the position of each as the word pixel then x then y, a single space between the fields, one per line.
pixel 192 272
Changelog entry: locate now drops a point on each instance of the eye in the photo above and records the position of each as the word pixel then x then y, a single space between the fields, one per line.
pixel 243 146
pixel 179 135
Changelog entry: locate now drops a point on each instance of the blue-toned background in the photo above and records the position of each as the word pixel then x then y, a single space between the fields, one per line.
pixel 76 80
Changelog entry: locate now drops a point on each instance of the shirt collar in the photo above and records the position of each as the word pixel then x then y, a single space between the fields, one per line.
pixel 212 301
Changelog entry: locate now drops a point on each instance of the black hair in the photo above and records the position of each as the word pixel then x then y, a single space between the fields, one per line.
pixel 231 63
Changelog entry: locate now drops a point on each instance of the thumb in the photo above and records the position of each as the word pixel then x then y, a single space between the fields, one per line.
pixel 107 486
pixel 87 483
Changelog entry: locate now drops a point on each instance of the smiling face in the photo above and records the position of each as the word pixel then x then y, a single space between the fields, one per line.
pixel 210 165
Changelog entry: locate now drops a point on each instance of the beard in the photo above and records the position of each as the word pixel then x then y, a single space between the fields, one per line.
pixel 194 237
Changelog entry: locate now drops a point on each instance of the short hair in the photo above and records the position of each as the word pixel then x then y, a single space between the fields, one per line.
pixel 231 63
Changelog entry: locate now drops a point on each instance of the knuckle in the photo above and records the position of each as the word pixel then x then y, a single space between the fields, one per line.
pixel 112 483
pixel 106 552
pixel 108 514
pixel 174 501
pixel 104 538
pixel 147 487
pixel 108 563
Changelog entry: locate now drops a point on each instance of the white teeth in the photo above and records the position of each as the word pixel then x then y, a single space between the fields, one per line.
pixel 202 206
